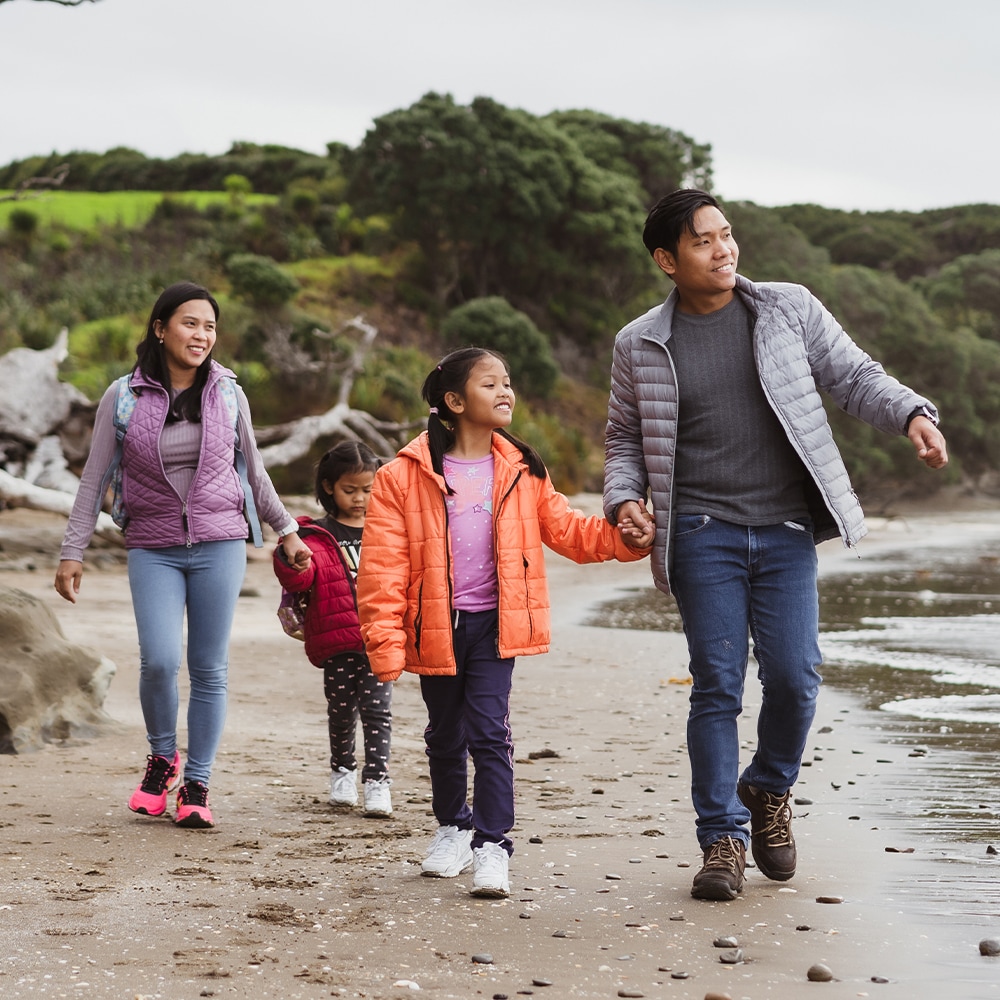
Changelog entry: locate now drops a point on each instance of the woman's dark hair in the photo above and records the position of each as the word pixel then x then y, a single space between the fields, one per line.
pixel 149 353
pixel 672 216
pixel 344 459
pixel 452 375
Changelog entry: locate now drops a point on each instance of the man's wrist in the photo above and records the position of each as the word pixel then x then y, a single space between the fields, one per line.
pixel 920 411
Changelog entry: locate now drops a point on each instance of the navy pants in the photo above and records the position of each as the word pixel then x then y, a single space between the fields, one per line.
pixel 469 714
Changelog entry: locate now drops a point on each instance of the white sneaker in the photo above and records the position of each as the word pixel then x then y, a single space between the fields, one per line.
pixel 449 854
pixel 378 802
pixel 344 788
pixel 489 872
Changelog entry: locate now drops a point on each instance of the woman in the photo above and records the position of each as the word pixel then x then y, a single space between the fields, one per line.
pixel 185 533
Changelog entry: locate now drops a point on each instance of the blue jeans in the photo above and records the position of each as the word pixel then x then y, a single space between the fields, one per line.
pixel 731 581
pixel 205 579
pixel 470 714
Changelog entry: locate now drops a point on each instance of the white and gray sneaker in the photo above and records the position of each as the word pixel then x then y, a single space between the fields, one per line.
pixel 344 787
pixel 378 801
pixel 449 853
pixel 489 872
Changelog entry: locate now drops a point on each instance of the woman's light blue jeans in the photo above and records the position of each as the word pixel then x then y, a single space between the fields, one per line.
pixel 732 581
pixel 204 579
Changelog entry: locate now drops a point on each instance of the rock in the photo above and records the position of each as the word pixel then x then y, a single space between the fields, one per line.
pixel 990 849
pixel 734 957
pixel 712 995
pixel 537 981
pixel 989 946
pixel 630 993
pixel 482 959
pixel 534 840
pixel 829 899
pixel 34 401
pixel 879 979
pixel 819 973
pixel 50 689
pixel 725 942
pixel 679 974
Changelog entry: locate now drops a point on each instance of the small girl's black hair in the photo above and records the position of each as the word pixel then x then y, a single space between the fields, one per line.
pixel 451 375
pixel 344 459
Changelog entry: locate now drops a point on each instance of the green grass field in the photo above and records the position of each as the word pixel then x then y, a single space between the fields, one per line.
pixel 89 209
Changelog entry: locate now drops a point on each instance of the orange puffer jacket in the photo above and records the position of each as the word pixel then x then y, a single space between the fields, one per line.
pixel 405 578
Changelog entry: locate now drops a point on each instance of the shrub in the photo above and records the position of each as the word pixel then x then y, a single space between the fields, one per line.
pixel 259 280
pixel 495 324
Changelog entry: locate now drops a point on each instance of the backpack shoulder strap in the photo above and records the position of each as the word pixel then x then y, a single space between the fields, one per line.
pixel 227 387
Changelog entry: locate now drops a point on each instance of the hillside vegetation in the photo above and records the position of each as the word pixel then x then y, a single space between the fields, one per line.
pixel 455 223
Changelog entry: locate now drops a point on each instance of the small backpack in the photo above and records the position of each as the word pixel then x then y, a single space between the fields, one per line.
pixel 125 401
pixel 292 613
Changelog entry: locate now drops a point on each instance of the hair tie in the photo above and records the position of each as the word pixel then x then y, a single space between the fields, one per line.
pixel 434 410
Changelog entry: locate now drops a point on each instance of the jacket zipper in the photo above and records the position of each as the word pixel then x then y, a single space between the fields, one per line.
pixel 496 561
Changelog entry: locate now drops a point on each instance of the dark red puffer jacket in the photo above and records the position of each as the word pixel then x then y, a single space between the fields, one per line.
pixel 331 623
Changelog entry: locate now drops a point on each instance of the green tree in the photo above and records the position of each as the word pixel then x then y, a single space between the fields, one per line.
pixel 260 281
pixel 502 203
pixel 966 291
pixel 495 324
pixel 660 159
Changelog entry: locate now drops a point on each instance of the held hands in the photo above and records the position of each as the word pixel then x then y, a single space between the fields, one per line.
pixel 636 524
pixel 929 442
pixel 68 577
pixel 297 553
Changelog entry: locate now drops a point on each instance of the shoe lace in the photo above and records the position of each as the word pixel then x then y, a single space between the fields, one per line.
pixel 723 855
pixel 776 828
pixel 154 781
pixel 193 793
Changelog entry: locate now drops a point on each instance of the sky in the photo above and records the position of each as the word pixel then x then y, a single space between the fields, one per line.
pixel 854 104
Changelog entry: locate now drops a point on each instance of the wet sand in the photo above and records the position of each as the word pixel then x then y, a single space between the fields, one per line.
pixel 288 897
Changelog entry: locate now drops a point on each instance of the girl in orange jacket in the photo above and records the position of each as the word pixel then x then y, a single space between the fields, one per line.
pixel 452 587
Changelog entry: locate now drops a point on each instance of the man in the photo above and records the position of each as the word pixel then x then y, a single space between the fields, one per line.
pixel 715 411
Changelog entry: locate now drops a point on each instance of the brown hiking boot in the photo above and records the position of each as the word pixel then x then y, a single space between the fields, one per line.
pixel 721 876
pixel 771 838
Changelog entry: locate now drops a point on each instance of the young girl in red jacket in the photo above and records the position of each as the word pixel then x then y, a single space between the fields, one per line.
pixel 332 632
pixel 452 587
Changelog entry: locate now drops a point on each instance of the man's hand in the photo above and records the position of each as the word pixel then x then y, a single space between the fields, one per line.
pixel 636 524
pixel 929 442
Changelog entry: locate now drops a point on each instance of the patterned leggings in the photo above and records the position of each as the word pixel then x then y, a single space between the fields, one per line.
pixel 352 690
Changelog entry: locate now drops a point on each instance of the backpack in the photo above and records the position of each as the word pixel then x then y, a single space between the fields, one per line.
pixel 125 401
pixel 292 613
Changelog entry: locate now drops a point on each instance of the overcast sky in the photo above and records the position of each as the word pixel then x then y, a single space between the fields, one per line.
pixel 865 104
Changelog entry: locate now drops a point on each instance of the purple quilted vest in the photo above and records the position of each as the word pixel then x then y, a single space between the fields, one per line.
pixel 213 509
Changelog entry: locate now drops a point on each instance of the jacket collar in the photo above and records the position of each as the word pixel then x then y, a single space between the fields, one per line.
pixel 506 456
pixel 755 297
pixel 216 372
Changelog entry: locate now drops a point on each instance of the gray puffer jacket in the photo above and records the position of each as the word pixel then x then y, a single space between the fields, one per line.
pixel 799 349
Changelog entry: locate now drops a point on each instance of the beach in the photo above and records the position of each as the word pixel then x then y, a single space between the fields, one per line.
pixel 290 897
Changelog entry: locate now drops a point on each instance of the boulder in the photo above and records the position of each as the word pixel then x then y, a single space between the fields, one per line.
pixel 50 689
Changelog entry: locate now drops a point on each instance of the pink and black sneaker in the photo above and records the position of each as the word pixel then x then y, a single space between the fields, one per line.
pixel 192 806
pixel 161 778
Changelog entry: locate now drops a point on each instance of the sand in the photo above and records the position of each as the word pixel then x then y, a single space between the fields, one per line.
pixel 289 897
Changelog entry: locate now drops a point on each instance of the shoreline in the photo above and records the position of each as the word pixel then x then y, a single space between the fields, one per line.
pixel 288 897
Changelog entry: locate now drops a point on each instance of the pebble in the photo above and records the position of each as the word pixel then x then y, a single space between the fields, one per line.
pixel 538 981
pixel 534 840
pixel 679 974
pixel 879 979
pixel 562 934
pixel 990 849
pixel 482 959
pixel 829 899
pixel 678 916
pixel 611 877
pixel 734 957
pixel 631 993
pixel 499 996
pixel 725 942
pixel 989 946
pixel 712 995
pixel 803 927
pixel 819 973
pixel 899 850
pixel 801 800
pixel 525 916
